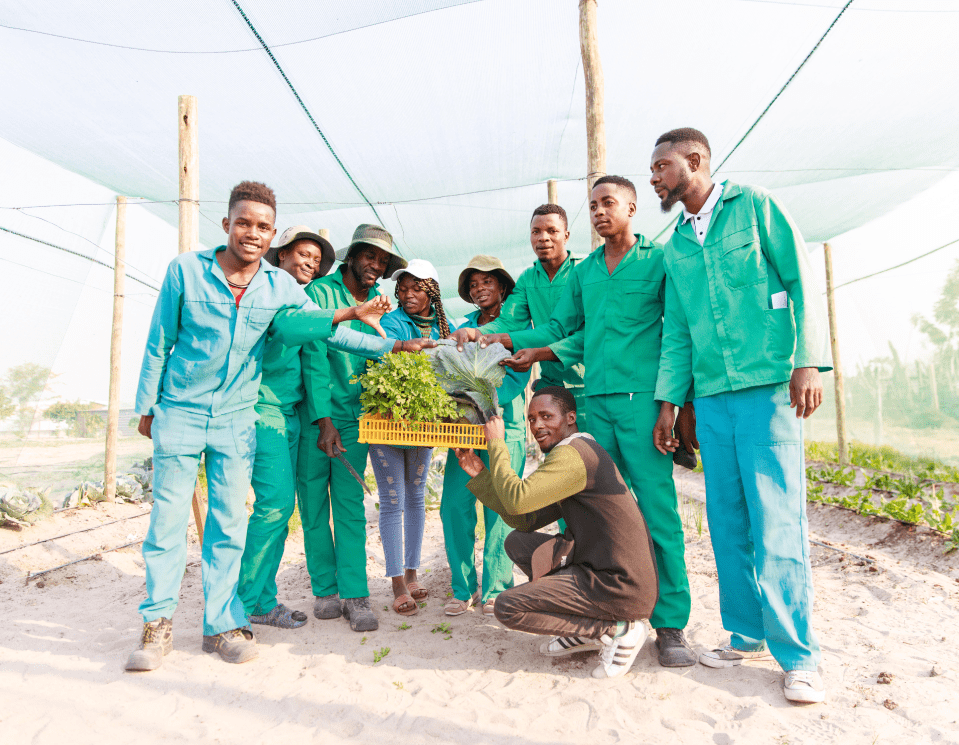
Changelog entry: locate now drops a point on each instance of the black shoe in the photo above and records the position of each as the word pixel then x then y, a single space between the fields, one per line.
pixel 360 614
pixel 674 650
pixel 327 606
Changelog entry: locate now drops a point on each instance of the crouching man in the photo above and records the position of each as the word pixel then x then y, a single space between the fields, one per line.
pixel 592 586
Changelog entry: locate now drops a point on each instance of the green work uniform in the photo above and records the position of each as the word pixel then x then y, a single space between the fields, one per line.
pixel 618 321
pixel 458 505
pixel 533 299
pixel 745 336
pixel 335 557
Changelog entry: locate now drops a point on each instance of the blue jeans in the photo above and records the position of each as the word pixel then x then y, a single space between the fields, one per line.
pixel 401 482
pixel 228 441
pixel 752 448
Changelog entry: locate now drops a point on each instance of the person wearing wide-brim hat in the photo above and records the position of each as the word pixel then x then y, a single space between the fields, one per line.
pixel 329 426
pixel 484 283
pixel 299 250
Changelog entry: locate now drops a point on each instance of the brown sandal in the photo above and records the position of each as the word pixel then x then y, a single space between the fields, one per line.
pixel 417 591
pixel 402 600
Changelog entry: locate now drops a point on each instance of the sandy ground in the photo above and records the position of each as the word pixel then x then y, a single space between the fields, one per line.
pixel 64 639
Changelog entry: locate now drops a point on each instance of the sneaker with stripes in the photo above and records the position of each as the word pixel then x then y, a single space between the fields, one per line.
pixel 619 653
pixel 560 646
pixel 729 656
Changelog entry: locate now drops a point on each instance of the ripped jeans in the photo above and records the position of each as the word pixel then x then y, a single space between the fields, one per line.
pixel 401 483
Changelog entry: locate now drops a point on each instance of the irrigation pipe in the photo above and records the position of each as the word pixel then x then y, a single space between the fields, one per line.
pixel 98 555
pixel 84 530
pixel 842 551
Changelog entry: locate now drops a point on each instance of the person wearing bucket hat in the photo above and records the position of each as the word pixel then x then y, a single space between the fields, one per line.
pixel 536 294
pixel 329 418
pixel 304 255
pixel 486 284
pixel 401 471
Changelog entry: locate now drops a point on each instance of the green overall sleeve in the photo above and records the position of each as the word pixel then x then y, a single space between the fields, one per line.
pixel 675 376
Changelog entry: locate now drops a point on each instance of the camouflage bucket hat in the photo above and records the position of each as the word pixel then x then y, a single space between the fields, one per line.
pixel 374 235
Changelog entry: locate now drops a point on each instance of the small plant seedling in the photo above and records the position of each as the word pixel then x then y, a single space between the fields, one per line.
pixel 404 626
pixel 448 637
pixel 399 686
pixel 363 640
pixel 441 628
pixel 423 604
pixel 449 594
pixel 380 654
pixel 386 607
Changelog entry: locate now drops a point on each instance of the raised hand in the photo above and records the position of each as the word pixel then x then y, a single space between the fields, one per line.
pixel 504 339
pixel 462 336
pixel 372 311
pixel 495 429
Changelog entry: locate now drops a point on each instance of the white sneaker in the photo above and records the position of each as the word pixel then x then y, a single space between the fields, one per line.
pixel 560 646
pixel 804 687
pixel 618 653
pixel 729 656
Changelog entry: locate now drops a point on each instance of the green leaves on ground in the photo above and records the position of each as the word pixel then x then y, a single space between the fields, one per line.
pixel 380 654
pixel 403 387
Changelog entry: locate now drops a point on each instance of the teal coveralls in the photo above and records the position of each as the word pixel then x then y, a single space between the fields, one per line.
pixel 335 557
pixel 274 469
pixel 199 380
pixel 742 311
pixel 533 299
pixel 458 506
pixel 618 320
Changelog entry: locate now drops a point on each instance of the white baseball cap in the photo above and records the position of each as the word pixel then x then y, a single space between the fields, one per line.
pixel 419 268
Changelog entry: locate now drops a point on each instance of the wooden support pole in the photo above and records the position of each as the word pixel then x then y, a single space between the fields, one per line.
pixel 190 218
pixel 552 191
pixel 113 405
pixel 836 364
pixel 595 118
pixel 324 233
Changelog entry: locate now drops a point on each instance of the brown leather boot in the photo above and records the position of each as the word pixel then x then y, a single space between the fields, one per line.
pixel 157 641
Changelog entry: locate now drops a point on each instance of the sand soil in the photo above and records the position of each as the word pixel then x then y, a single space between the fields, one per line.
pixel 891 614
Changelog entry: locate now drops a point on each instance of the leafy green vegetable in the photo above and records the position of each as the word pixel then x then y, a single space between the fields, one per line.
pixel 403 386
pixel 471 377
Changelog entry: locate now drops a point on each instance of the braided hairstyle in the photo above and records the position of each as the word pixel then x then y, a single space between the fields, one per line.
pixel 432 289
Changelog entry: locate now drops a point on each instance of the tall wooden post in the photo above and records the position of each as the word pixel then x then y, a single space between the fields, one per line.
pixel 190 218
pixel 113 405
pixel 324 233
pixel 836 365
pixel 552 191
pixel 595 118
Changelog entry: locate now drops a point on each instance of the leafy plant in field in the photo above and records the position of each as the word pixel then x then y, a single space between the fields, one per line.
pixel 403 386
pixel 814 493
pixel 907 488
pixel 380 654
pixel 880 482
pixel 441 628
pixel 953 541
pixel 900 509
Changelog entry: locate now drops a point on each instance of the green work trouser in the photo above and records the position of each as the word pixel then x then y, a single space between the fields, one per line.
pixel 458 513
pixel 274 483
pixel 335 558
pixel 622 424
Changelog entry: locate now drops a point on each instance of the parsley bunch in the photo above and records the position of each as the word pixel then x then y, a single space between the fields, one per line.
pixel 403 386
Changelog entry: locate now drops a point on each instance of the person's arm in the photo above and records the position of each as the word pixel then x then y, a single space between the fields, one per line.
pixel 513 384
pixel 160 340
pixel 570 351
pixel 567 319
pixel 675 378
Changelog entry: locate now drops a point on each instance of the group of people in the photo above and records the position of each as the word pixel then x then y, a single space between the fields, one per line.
pixel 722 323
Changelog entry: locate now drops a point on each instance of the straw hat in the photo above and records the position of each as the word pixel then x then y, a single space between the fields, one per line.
pixel 299 233
pixel 374 235
pixel 483 263
pixel 419 268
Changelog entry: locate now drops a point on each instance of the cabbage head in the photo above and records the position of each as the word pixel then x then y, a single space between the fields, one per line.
pixel 471 377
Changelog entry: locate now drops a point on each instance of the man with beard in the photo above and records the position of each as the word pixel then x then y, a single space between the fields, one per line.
pixel 614 299
pixel 592 585
pixel 536 294
pixel 336 558
pixel 745 327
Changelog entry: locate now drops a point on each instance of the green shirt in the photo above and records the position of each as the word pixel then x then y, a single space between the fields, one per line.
pixel 742 310
pixel 614 320
pixel 327 371
pixel 534 299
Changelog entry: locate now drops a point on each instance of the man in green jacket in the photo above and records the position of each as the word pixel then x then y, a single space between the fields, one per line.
pixel 614 305
pixel 336 559
pixel 745 327
pixel 536 294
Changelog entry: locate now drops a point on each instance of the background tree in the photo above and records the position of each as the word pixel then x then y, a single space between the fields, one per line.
pixel 24 385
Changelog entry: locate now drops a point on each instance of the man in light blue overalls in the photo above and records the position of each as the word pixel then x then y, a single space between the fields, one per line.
pixel 198 386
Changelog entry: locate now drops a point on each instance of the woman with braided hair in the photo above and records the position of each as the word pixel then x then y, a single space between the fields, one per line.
pixel 401 471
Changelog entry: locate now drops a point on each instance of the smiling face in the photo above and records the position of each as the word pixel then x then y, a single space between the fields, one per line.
pixel 548 236
pixel 671 175
pixel 611 209
pixel 367 264
pixel 301 259
pixel 485 289
pixel 412 299
pixel 548 423
pixel 249 230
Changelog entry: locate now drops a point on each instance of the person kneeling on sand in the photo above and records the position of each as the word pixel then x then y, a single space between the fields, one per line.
pixel 593 585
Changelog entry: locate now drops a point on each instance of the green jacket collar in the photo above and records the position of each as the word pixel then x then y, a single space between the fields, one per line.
pixel 570 259
pixel 337 279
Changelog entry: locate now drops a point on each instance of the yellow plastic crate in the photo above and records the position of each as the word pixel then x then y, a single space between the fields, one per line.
pixel 376 430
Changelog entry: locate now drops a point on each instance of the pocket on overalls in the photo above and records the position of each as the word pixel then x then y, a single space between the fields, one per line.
pixel 244 432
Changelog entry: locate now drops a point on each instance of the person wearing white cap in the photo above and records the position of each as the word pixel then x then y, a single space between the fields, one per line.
pixel 401 472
